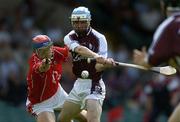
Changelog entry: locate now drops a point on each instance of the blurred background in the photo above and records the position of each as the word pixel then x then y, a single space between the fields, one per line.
pixel 132 95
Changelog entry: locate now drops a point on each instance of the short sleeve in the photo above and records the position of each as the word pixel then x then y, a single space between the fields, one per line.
pixel 103 46
pixel 71 44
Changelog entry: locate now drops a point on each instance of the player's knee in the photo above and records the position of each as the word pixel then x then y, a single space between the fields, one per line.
pixel 96 119
pixel 82 117
pixel 93 115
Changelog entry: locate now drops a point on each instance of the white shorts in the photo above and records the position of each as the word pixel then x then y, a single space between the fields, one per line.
pixel 82 91
pixel 54 102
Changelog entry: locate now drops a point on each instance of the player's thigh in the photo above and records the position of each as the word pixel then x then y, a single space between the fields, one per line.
pixel 175 116
pixel 94 108
pixel 46 117
pixel 70 110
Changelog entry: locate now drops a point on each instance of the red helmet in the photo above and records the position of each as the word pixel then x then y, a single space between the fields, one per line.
pixel 41 41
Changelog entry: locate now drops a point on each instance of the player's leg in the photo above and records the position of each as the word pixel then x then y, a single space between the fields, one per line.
pixel 175 116
pixel 93 102
pixel 41 112
pixel 46 117
pixel 69 111
pixel 82 116
pixel 94 110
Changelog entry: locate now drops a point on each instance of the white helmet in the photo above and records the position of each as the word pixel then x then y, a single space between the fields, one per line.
pixel 80 20
pixel 81 14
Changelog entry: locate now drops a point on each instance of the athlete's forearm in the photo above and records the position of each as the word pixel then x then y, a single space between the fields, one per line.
pixel 100 67
pixel 84 51
pixel 102 63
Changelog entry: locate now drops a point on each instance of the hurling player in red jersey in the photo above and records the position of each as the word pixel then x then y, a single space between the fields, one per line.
pixel 165 45
pixel 44 90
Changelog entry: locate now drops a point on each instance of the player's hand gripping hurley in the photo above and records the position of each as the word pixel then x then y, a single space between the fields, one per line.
pixel 166 70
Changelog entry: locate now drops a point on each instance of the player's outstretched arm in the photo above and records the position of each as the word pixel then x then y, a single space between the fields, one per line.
pixel 84 51
pixel 107 63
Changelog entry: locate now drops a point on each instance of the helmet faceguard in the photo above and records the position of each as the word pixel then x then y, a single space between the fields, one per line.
pixel 80 20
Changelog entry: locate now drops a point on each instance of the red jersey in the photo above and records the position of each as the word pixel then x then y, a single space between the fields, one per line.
pixel 43 85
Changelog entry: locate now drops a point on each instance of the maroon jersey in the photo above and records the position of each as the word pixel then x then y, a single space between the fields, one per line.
pixel 43 85
pixel 93 40
pixel 166 41
pixel 78 63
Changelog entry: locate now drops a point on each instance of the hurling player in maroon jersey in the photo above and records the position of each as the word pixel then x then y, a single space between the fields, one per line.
pixel 165 45
pixel 45 93
pixel 88 92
